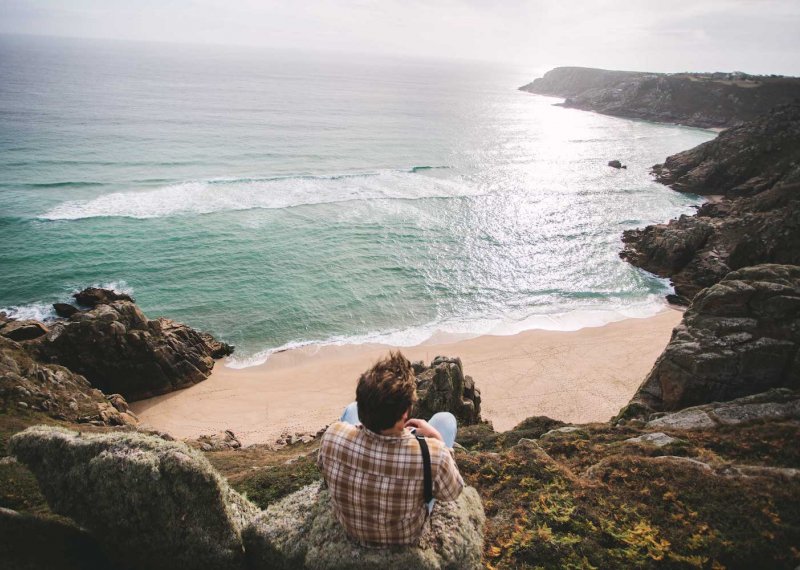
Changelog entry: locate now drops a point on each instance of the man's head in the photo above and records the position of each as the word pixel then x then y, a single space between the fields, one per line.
pixel 385 392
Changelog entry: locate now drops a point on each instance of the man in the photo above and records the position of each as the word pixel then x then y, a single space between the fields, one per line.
pixel 373 463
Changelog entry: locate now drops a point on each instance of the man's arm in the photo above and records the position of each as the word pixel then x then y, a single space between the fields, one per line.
pixel 424 429
pixel 448 483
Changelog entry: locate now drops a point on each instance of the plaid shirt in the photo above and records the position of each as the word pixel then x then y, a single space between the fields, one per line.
pixel 376 482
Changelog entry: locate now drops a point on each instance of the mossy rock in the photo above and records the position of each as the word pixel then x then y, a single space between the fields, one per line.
pixel 301 531
pixel 153 503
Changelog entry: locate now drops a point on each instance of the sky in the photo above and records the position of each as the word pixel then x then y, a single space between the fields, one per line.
pixel 755 36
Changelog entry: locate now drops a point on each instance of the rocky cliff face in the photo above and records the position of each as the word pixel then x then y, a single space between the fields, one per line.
pixel 30 386
pixel 741 161
pixel 697 251
pixel 739 337
pixel 757 168
pixel 119 350
pixel 699 100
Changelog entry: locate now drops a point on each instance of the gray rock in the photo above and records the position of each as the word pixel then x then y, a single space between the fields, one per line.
pixel 775 404
pixel 119 350
pixel 561 431
pixel 23 330
pixel 739 337
pixel 221 441
pixel 658 439
pixel 444 388
pixel 301 531
pixel 154 504
pixel 691 418
pixel 756 167
pixel 736 414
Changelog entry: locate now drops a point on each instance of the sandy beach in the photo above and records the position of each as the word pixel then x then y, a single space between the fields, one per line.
pixel 577 376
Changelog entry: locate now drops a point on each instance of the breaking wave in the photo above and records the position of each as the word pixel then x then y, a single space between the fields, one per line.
pixel 227 194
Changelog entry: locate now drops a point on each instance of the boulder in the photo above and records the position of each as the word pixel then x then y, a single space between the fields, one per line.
pixel 442 387
pixel 616 164
pixel 93 296
pixel 64 310
pixel 301 531
pixel 656 439
pixel 562 431
pixel 119 350
pixel 152 503
pixel 23 330
pixel 739 337
pixel 222 441
pixel 55 390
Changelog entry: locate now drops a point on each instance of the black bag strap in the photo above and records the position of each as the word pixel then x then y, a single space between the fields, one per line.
pixel 426 461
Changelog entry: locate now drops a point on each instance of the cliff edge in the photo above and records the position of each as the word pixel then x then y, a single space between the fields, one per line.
pixel 706 100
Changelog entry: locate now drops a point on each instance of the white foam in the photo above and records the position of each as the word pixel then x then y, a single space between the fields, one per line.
pixel 223 194
pixel 447 331
pixel 43 311
pixel 34 311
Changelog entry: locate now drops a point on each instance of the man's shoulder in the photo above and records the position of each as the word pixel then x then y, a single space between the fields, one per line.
pixel 340 431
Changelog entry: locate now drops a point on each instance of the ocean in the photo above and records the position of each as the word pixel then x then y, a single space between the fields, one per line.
pixel 278 199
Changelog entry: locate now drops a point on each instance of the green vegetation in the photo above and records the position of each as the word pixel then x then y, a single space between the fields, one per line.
pixel 578 501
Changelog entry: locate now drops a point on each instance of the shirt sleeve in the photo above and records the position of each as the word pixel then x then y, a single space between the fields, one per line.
pixel 448 484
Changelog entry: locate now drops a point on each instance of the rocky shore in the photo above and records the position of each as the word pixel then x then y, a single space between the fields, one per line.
pixel 706 100
pixel 755 168
pixel 700 470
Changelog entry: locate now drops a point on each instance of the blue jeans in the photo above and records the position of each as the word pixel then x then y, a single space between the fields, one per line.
pixel 443 422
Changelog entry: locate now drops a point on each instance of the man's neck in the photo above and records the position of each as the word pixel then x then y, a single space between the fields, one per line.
pixel 393 431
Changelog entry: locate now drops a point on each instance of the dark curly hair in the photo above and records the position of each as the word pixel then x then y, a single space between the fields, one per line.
pixel 385 392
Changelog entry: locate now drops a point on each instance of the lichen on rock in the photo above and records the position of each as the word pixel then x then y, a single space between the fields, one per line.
pixel 301 531
pixel 152 503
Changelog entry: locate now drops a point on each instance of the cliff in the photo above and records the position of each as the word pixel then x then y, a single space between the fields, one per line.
pixel 756 168
pixel 694 99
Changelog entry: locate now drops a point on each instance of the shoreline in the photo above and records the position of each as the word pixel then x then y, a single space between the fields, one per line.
pixel 578 376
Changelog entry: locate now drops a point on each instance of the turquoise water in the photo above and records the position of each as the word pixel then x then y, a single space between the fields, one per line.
pixel 281 198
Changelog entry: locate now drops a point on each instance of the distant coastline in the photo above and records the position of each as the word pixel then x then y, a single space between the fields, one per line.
pixel 705 100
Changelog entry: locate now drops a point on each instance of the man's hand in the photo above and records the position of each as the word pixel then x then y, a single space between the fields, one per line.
pixel 424 428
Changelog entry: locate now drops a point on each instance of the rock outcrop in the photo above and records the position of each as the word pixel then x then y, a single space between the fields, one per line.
pixel 119 350
pixel 300 531
pixel 741 161
pixel 93 296
pixel 775 404
pixel 22 330
pixel 442 387
pixel 694 99
pixel 56 391
pixel 739 337
pixel 697 251
pixel 757 166
pixel 151 503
